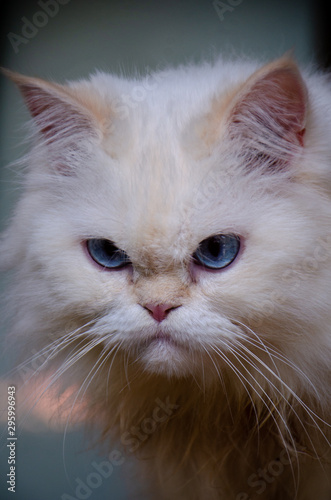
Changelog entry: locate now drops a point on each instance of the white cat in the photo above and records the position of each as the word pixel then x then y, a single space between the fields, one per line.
pixel 172 254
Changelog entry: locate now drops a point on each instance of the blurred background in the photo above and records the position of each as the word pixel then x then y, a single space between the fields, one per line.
pixel 68 39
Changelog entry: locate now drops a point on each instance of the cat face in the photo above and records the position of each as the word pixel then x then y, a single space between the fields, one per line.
pixel 171 230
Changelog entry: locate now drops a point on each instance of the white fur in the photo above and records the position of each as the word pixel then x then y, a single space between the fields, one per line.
pixel 148 181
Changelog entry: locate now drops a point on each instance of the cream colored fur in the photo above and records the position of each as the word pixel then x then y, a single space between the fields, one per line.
pixel 225 148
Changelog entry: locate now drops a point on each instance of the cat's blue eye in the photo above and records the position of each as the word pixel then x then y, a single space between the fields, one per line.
pixel 217 252
pixel 106 254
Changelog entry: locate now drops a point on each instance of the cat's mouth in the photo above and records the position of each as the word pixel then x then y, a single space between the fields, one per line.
pixel 161 352
pixel 162 337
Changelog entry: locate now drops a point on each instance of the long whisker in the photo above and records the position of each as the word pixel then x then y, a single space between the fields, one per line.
pixel 308 411
pixel 220 378
pixel 68 363
pixel 203 374
pixel 235 369
pixel 245 357
pixel 216 368
pixel 51 350
pixel 272 353
pixel 100 362
pixel 119 345
pixel 237 372
pixel 311 413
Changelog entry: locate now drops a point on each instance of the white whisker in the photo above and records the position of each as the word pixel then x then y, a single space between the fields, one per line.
pixel 271 402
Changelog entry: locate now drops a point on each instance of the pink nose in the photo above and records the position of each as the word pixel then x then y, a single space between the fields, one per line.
pixel 159 311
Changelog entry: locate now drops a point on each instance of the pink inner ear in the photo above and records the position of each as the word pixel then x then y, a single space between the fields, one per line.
pixel 300 136
pixel 64 124
pixel 287 97
pixel 56 118
pixel 275 104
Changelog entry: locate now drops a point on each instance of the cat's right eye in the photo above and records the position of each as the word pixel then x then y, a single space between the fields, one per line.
pixel 106 254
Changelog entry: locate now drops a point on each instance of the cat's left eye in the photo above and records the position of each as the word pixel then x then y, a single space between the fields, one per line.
pixel 106 254
pixel 217 252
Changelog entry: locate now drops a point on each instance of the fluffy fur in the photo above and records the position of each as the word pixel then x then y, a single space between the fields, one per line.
pixel 158 164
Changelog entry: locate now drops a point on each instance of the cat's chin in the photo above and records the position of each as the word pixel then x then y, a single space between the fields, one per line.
pixel 161 354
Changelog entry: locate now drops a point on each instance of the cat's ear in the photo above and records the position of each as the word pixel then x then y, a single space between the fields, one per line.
pixel 65 117
pixel 267 116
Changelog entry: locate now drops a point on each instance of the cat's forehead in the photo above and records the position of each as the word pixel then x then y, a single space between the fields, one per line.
pixel 156 190
pixel 166 201
pixel 163 186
